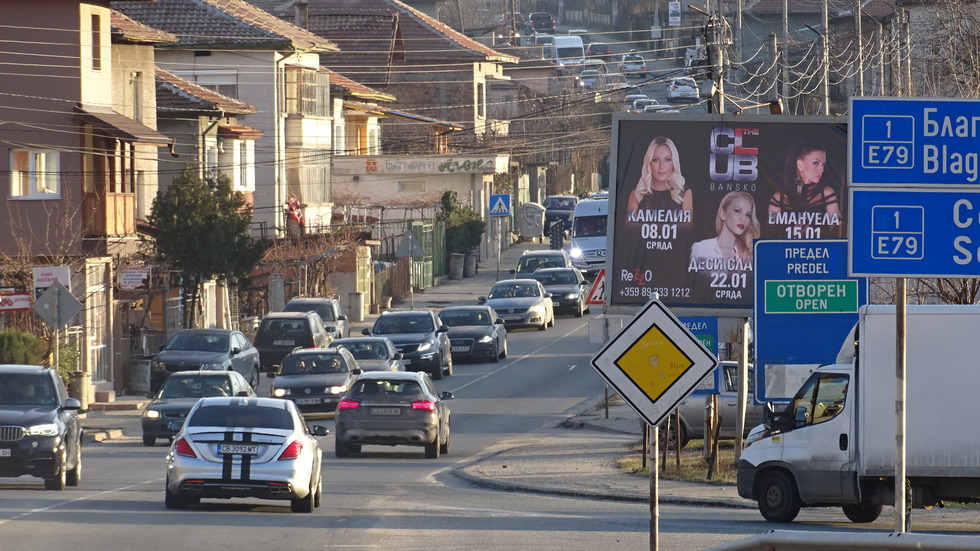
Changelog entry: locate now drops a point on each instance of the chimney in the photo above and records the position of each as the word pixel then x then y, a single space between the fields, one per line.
pixel 302 15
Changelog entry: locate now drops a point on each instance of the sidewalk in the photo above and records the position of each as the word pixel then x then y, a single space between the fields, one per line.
pixel 577 457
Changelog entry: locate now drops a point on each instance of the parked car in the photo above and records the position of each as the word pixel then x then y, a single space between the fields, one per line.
pixel 683 89
pixel 521 303
pixel 394 409
pixel 331 312
pixel 373 353
pixel 589 79
pixel 599 50
pixel 475 332
pixel 41 433
pixel 420 337
pixel 633 65
pixel 281 332
pixel 540 22
pixel 567 287
pixel 205 349
pixel 559 207
pixel 220 437
pixel 534 260
pixel 693 412
pixel 164 415
pixel 315 378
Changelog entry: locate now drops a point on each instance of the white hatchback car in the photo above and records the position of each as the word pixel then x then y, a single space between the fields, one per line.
pixel 683 89
pixel 236 447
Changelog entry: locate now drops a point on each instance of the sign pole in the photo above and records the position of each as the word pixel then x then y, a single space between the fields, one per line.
pixel 57 329
pixel 499 245
pixel 900 520
pixel 654 489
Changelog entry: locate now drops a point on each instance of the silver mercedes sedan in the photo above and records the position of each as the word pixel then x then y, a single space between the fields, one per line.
pixel 245 447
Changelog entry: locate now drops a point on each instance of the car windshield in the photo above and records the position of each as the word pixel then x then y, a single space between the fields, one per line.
pixel 323 309
pixel 563 203
pixel 457 318
pixel 365 350
pixel 201 342
pixel 532 263
pixel 27 390
pixel 556 278
pixel 514 290
pixel 589 226
pixel 309 364
pixel 241 416
pixel 386 388
pixel 195 387
pixel 403 324
pixel 632 58
pixel 292 328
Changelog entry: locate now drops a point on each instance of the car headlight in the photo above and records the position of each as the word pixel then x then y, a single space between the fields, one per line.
pixel 575 252
pixel 425 346
pixel 47 429
pixel 212 367
pixel 280 392
pixel 485 338
pixel 572 296
pixel 156 364
pixel 336 389
pixel 537 309
pixel 151 414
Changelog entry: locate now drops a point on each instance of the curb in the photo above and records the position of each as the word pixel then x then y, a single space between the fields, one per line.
pixel 100 435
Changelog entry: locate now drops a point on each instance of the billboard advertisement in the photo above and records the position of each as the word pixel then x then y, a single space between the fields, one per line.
pixel 691 194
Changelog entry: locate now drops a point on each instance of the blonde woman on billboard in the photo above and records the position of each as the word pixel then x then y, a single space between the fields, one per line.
pixel 661 185
pixel 737 226
pixel 801 189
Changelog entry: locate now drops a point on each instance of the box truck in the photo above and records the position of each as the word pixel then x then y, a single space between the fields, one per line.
pixel 834 444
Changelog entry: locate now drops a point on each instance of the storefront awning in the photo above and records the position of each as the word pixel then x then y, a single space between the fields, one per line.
pixel 238 132
pixel 121 126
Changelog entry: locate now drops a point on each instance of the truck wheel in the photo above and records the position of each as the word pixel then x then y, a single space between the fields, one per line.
pixel 863 513
pixel 778 499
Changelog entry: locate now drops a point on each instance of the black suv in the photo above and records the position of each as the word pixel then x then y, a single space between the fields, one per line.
pixel 540 22
pixel 559 208
pixel 421 338
pixel 40 434
pixel 282 332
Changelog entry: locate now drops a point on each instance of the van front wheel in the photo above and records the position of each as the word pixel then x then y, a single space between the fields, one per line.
pixel 779 500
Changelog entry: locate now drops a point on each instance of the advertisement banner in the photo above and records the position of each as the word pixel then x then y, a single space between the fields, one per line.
pixel 691 194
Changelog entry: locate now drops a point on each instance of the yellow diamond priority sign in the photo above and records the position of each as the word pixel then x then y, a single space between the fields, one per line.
pixel 654 362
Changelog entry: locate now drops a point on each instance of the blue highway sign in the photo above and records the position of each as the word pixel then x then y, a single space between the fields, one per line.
pixel 915 233
pixel 913 141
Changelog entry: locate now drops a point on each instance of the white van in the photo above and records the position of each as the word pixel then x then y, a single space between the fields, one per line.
pixel 568 50
pixel 588 248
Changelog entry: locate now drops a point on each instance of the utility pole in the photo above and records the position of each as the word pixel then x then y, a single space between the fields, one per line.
pixel 860 46
pixel 784 55
pixel 716 56
pixel 773 48
pixel 513 24
pixel 825 37
pixel 906 31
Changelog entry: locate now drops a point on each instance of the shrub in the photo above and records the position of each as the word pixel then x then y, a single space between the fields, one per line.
pixel 18 347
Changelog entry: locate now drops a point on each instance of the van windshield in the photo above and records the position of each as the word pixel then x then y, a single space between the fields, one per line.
pixel 589 226
pixel 570 52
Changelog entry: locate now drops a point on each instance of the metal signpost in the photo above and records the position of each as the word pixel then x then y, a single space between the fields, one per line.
pixel 805 303
pixel 408 248
pixel 654 363
pixel 914 168
pixel 57 306
pixel 499 207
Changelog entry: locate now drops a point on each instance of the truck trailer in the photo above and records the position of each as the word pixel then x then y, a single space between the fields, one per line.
pixel 835 443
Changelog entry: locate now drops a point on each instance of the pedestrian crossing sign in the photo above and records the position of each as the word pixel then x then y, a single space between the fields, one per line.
pixel 597 294
pixel 500 205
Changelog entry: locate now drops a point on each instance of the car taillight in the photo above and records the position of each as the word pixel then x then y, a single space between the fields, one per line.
pixel 424 406
pixel 292 451
pixel 182 447
pixel 348 404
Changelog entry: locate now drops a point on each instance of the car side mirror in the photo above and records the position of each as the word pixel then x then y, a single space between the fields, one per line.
pixel 271 375
pixel 583 283
pixel 73 404
pixel 162 346
pixel 243 393
pixel 342 318
pixel 151 395
pixel 356 371
pixel 800 417
pixel 366 331
pixel 398 355
pixel 481 300
pixel 498 321
pixel 236 350
pixel 447 396
pixel 511 271
pixel 319 430
pixel 547 295
pixel 443 329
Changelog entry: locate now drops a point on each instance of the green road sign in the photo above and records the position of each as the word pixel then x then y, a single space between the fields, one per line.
pixel 811 297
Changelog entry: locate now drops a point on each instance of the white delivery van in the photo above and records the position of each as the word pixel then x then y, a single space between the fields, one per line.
pixel 588 247
pixel 568 50
pixel 834 444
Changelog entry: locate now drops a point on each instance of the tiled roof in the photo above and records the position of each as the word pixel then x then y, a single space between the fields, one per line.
pixel 126 30
pixel 835 7
pixel 355 88
pixel 175 94
pixel 221 24
pixel 366 38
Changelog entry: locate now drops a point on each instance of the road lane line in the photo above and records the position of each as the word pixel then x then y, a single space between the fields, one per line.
pixel 77 499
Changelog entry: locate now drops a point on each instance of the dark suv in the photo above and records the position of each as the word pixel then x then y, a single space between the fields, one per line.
pixel 40 434
pixel 559 207
pixel 421 338
pixel 540 22
pixel 282 332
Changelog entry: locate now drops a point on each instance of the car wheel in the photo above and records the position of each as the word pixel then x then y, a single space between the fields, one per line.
pixel 74 476
pixel 318 497
pixel 863 513
pixel 495 357
pixel 669 442
pixel 778 499
pixel 253 381
pixel 503 353
pixel 437 372
pixel 579 310
pixel 449 367
pixel 432 450
pixel 172 500
pixel 149 440
pixel 341 449
pixel 552 319
pixel 58 480
pixel 444 447
pixel 543 326
pixel 305 504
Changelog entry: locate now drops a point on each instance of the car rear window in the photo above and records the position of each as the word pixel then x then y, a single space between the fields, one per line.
pixel 241 416
pixel 293 328
pixel 562 203
pixel 178 386
pixel 323 309
pixel 377 388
